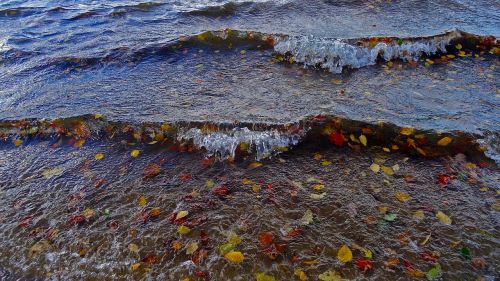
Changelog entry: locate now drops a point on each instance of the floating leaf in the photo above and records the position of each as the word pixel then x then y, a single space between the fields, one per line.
pixel 234 257
pixel 368 253
pixel 387 170
pixel 344 254
pixel 444 141
pixel 364 264
pixel 300 274
pixel 375 167
pixel 465 253
pixel 433 272
pixel 390 217
pixel 181 215
pixel 151 170
pixel 406 131
pixel 18 142
pixel 135 153
pixel 326 163
pixel 442 217
pixel 254 165
pixel 226 248
pixel 265 239
pixel 307 218
pixel 318 186
pixel 182 229
pixel 330 275
pixel 99 156
pixel 176 245
pixel 210 183
pixel 263 277
pixel 142 201
pixel 402 196
pixel 88 213
pixel 191 247
pixel 50 173
pixel 363 139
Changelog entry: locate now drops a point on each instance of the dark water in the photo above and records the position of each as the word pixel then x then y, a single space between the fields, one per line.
pixel 204 88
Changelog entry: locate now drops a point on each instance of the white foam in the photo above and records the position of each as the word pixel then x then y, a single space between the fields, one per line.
pixel 335 54
pixel 196 5
pixel 224 143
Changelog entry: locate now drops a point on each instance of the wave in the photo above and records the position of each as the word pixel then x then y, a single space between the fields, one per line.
pixel 233 140
pixel 210 7
pixel 334 55
pixel 339 54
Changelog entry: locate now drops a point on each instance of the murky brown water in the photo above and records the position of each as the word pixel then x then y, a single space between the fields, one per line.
pixel 46 191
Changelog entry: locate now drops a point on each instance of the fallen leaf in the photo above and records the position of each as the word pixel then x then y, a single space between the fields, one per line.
pixel 99 156
pixel 443 218
pixel 387 170
pixel 390 217
pixel 318 196
pixel 330 275
pixel 88 213
pixel 151 170
pixel 263 277
pixel 307 218
pixel 255 165
pixel 234 257
pixel 210 183
pixel 50 173
pixel 191 247
pixel 344 254
pixel 18 142
pixel 433 272
pixel 142 201
pixel 419 215
pixel 133 248
pixel 135 153
pixel 402 196
pixel 375 167
pixel 226 248
pixel 465 253
pixel 265 239
pixel 176 245
pixel 364 264
pixel 300 274
pixel 182 229
pixel 181 215
pixel 363 140
pixel 406 131
pixel 136 266
pixel 444 141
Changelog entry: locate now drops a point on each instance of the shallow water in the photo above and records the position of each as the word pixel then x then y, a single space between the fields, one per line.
pixel 368 124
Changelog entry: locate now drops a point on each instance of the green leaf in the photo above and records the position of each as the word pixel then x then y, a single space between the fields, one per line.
pixel 465 252
pixel 226 248
pixel 390 217
pixel 433 272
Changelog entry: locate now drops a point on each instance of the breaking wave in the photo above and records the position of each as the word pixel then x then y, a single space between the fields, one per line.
pixel 261 140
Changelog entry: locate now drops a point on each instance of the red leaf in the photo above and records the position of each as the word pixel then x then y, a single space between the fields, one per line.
pixel 428 256
pixel 292 234
pixel 185 177
pixel 364 264
pixel 443 180
pixel 26 221
pixel 337 138
pixel 221 191
pixel 265 239
pixel 204 240
pixel 77 219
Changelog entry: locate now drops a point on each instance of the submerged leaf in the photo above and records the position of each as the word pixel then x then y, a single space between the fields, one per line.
pixel 433 272
pixel 402 196
pixel 442 217
pixel 99 156
pixel 344 254
pixel 363 140
pixel 135 153
pixel 444 141
pixel 307 218
pixel 259 276
pixel 390 217
pixel 191 247
pixel 181 215
pixel 234 257
pixel 375 167
pixel 183 229
pixel 330 275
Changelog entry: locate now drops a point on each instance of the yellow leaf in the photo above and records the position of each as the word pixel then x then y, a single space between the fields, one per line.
pixel 210 183
pixel 307 218
pixel 79 143
pixel 135 153
pixel 419 215
pixel 300 274
pixel 136 266
pixel 254 165
pixel 50 173
pixel 244 146
pixel 233 238
pixel 99 156
pixel 344 254
pixel 18 142
pixel 387 170
pixel 363 140
pixel 98 116
pixel 458 46
pixel 88 213
pixel 326 163
pixel 444 141
pixel 330 275
pixel 406 131
pixel 256 188
pixel 442 217
pixel 375 167
pixel 191 247
pixel 311 262
pixel 183 229
pixel 402 196
pixel 176 245
pixel 368 253
pixel 470 165
pixel 181 215
pixel 142 201
pixel 234 257
pixel 133 248
pixel 263 277
pixel 385 149
pixel 246 181
pixel 318 186
pixel 165 127
pixel 425 240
